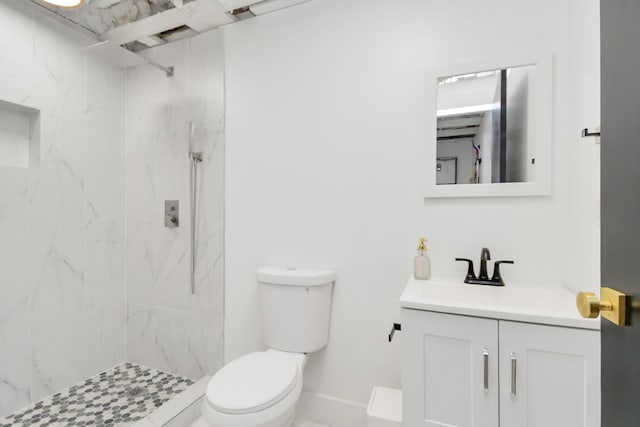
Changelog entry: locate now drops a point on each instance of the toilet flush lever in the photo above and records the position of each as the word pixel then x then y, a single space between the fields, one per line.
pixel 394 328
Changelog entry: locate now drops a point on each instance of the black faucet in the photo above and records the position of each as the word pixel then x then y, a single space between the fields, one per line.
pixel 485 255
pixel 483 279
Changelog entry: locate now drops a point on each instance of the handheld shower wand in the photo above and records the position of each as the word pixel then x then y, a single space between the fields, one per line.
pixel 195 158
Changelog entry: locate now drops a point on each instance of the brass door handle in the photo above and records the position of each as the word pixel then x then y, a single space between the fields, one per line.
pixel 590 306
pixel 612 305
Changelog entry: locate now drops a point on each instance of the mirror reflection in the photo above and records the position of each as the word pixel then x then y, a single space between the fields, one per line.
pixel 486 126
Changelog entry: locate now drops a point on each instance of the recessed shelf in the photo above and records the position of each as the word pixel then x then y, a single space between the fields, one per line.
pixel 19 136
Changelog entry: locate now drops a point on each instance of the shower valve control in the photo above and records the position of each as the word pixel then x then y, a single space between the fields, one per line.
pixel 171 213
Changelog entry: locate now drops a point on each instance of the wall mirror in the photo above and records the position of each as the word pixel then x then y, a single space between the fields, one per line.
pixel 490 128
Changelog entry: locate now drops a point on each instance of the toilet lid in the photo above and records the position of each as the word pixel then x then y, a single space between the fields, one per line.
pixel 252 383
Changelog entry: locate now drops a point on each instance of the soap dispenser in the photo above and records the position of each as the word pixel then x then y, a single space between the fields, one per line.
pixel 422 263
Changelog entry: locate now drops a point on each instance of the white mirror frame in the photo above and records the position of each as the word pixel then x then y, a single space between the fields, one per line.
pixel 543 134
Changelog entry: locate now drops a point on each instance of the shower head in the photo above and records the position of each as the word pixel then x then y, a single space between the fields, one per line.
pixel 195 157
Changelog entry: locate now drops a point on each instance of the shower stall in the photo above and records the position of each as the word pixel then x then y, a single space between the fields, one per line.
pixel 96 294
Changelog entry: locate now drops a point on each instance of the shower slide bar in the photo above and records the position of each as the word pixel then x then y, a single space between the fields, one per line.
pixel 194 159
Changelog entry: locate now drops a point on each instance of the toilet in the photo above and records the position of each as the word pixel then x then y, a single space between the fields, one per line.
pixel 261 389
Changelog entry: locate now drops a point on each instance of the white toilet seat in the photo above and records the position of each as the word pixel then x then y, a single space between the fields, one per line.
pixel 252 383
pixel 257 390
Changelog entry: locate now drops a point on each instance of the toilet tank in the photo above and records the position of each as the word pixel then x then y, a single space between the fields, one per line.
pixel 296 304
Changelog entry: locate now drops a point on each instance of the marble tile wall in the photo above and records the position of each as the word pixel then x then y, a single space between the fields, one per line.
pixel 168 328
pixel 62 225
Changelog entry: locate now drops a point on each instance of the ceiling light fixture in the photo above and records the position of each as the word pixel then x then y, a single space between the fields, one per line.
pixel 68 4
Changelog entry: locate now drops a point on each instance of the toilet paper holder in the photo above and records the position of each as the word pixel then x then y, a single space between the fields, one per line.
pixel 394 328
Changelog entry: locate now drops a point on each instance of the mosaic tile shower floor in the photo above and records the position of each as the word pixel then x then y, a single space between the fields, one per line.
pixel 117 397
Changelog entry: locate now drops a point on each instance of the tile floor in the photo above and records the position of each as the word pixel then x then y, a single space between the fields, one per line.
pixel 297 423
pixel 303 423
pixel 117 397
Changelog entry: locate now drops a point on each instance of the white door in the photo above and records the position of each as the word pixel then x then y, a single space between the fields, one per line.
pixel 548 376
pixel 450 374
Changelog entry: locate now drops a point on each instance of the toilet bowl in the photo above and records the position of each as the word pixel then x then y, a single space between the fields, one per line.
pixel 257 390
pixel 261 389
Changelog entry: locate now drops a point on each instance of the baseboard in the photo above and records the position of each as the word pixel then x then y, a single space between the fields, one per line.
pixel 331 411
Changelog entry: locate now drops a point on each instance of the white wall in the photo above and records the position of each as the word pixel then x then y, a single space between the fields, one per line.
pixel 62 223
pixel 325 146
pixel 167 327
pixel 582 267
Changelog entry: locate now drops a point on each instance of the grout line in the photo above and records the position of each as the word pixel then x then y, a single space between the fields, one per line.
pixel 124 376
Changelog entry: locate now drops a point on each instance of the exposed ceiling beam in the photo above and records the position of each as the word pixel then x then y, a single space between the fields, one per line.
pixel 229 5
pixel 456 122
pixel 199 15
pixel 122 57
pixel 152 41
pixel 114 53
pixel 470 132
pixel 462 138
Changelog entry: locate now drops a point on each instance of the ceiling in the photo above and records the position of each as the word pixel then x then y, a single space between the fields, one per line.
pixel 102 16
pixel 459 128
pixel 124 28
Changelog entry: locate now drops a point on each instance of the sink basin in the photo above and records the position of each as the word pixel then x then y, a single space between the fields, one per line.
pixel 551 305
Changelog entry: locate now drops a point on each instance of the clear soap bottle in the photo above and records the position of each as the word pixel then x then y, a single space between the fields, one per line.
pixel 422 263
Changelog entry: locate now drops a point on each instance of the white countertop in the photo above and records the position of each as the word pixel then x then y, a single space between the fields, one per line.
pixel 549 305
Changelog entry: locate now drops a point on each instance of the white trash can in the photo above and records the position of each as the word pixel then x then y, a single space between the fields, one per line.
pixel 385 408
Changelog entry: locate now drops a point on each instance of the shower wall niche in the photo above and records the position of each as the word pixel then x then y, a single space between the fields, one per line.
pixel 19 136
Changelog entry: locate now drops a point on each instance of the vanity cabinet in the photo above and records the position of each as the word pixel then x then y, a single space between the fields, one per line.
pixel 465 371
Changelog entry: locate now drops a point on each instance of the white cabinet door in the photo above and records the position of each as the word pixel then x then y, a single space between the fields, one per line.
pixel 556 376
pixel 450 370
